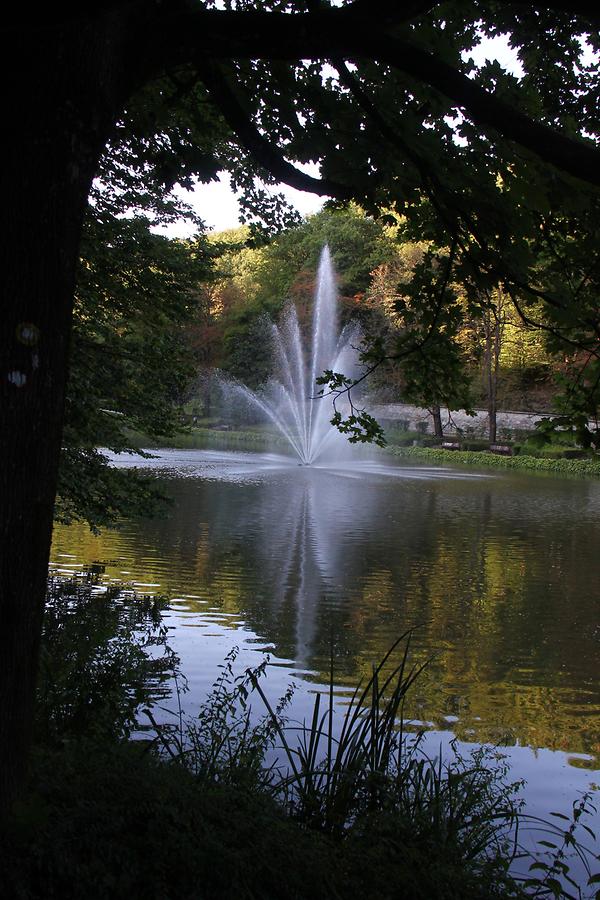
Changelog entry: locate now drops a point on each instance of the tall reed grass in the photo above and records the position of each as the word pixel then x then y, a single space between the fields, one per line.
pixel 353 772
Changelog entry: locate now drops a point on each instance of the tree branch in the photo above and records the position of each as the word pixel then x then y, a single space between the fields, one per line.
pixel 577 158
pixel 389 12
pixel 263 151
pixel 586 9
pixel 216 34
pixel 589 346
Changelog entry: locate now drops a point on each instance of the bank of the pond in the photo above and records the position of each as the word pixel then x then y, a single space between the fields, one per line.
pixel 111 820
pixel 212 438
pixel 230 439
pixel 476 458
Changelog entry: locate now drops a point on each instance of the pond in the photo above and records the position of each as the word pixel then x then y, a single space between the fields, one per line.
pixel 499 574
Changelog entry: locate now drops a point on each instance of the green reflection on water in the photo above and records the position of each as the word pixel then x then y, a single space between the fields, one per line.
pixel 500 574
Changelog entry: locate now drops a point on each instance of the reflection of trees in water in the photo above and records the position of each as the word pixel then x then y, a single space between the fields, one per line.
pixel 299 549
pixel 498 578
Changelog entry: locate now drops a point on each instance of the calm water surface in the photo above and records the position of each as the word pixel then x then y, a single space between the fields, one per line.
pixel 500 572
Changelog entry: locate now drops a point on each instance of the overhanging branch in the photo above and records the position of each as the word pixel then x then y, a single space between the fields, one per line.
pixel 586 9
pixel 390 12
pixel 263 151
pixel 216 34
pixel 577 158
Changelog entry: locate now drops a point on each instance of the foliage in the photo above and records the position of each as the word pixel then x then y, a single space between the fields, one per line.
pixel 100 494
pixel 110 820
pixel 506 168
pixel 576 467
pixel 106 816
pixel 137 292
pixel 103 655
pixel 511 222
pixel 425 316
pixel 130 361
pixel 397 290
pixel 357 243
pixel 577 403
pixel 340 776
pixel 335 777
pixel 561 844
pixel 255 282
pixel 409 140
pixel 358 425
pixel 222 744
pixel 425 333
pixel 368 785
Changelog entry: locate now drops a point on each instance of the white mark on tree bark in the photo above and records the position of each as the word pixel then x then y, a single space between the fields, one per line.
pixel 28 333
pixel 17 378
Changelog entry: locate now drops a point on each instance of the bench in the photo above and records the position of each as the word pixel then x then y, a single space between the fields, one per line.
pixel 502 449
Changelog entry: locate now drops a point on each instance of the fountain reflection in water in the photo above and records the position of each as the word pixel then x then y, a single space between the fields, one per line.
pixel 290 400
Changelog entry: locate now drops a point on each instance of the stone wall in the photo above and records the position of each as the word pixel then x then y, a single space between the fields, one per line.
pixel 414 418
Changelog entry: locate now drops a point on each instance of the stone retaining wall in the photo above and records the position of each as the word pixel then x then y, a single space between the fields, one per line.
pixel 416 419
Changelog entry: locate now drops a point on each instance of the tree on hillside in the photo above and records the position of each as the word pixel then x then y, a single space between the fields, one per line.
pixel 187 88
pixel 493 326
pixel 418 317
pixel 357 242
pixel 253 284
pixel 569 264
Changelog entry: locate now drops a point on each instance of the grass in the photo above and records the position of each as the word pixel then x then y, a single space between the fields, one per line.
pixel 109 820
pixel 579 467
pixel 349 804
pixel 200 438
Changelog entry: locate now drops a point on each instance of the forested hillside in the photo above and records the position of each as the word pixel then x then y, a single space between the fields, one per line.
pixel 475 351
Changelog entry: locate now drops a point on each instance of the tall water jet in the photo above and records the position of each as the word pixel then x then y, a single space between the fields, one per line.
pixel 291 399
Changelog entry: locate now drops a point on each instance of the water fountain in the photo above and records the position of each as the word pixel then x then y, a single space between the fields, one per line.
pixel 291 400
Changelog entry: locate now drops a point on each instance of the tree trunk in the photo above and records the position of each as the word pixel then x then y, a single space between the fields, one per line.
pixel 436 415
pixel 494 342
pixel 39 250
pixel 491 392
pixel 492 416
pixel 490 373
pixel 59 110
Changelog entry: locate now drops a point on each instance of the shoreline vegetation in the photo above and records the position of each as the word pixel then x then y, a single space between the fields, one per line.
pixel 522 462
pixel 400 444
pixel 190 809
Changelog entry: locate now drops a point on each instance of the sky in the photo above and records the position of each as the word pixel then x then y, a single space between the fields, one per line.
pixel 216 203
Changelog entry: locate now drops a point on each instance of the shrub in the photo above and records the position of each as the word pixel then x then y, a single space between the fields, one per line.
pixel 95 665
pixel 402 438
pixel 589 467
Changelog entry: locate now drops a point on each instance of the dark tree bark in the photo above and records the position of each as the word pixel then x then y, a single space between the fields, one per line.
pixel 436 415
pixel 491 359
pixel 66 91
